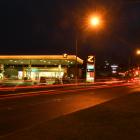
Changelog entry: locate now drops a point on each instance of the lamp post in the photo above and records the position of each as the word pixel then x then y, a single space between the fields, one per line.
pixel 76 52
pixel 138 53
pixel 94 22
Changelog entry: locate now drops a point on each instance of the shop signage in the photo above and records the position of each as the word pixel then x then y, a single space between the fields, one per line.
pixel 90 69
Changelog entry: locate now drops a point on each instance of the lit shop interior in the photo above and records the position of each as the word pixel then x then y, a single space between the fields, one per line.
pixel 34 67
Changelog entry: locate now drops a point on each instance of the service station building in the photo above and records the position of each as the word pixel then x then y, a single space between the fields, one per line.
pixel 36 66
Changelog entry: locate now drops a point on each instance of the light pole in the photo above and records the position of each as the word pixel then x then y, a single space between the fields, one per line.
pixel 76 52
pixel 94 22
pixel 138 53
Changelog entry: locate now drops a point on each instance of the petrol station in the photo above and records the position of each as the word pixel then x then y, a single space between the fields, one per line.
pixel 36 66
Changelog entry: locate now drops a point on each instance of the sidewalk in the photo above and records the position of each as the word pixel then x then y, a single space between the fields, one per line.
pixel 118 119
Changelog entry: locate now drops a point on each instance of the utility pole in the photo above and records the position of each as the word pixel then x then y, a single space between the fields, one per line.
pixel 76 64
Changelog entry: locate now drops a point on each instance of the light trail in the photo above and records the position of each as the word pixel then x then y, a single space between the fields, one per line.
pixel 14 88
pixel 53 92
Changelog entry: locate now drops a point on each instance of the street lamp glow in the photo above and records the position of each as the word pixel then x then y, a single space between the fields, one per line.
pixel 94 21
pixel 138 52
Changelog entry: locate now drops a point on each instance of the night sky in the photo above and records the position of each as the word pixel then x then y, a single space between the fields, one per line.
pixel 52 26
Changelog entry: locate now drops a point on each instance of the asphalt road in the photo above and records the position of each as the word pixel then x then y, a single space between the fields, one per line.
pixel 20 115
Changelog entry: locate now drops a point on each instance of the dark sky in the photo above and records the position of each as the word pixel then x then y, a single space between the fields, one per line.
pixel 51 26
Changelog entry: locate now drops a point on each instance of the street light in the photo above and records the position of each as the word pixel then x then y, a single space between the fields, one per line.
pixel 93 21
pixel 138 52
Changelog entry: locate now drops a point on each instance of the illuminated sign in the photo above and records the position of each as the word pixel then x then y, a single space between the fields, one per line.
pixel 65 55
pixel 90 59
pixel 114 68
pixel 90 76
pixel 90 67
pixel 90 70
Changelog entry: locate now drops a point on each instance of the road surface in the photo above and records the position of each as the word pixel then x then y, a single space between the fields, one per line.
pixel 26 112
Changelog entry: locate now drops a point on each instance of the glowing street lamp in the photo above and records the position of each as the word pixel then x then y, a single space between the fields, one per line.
pixel 138 52
pixel 94 21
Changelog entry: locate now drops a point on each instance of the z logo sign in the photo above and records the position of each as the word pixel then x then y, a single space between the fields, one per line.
pixel 90 59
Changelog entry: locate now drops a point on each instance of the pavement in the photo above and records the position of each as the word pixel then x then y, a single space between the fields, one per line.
pixel 118 119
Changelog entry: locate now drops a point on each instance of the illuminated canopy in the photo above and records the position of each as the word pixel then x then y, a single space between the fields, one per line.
pixel 39 59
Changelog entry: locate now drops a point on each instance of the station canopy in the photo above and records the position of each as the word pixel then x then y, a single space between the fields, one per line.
pixel 39 60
